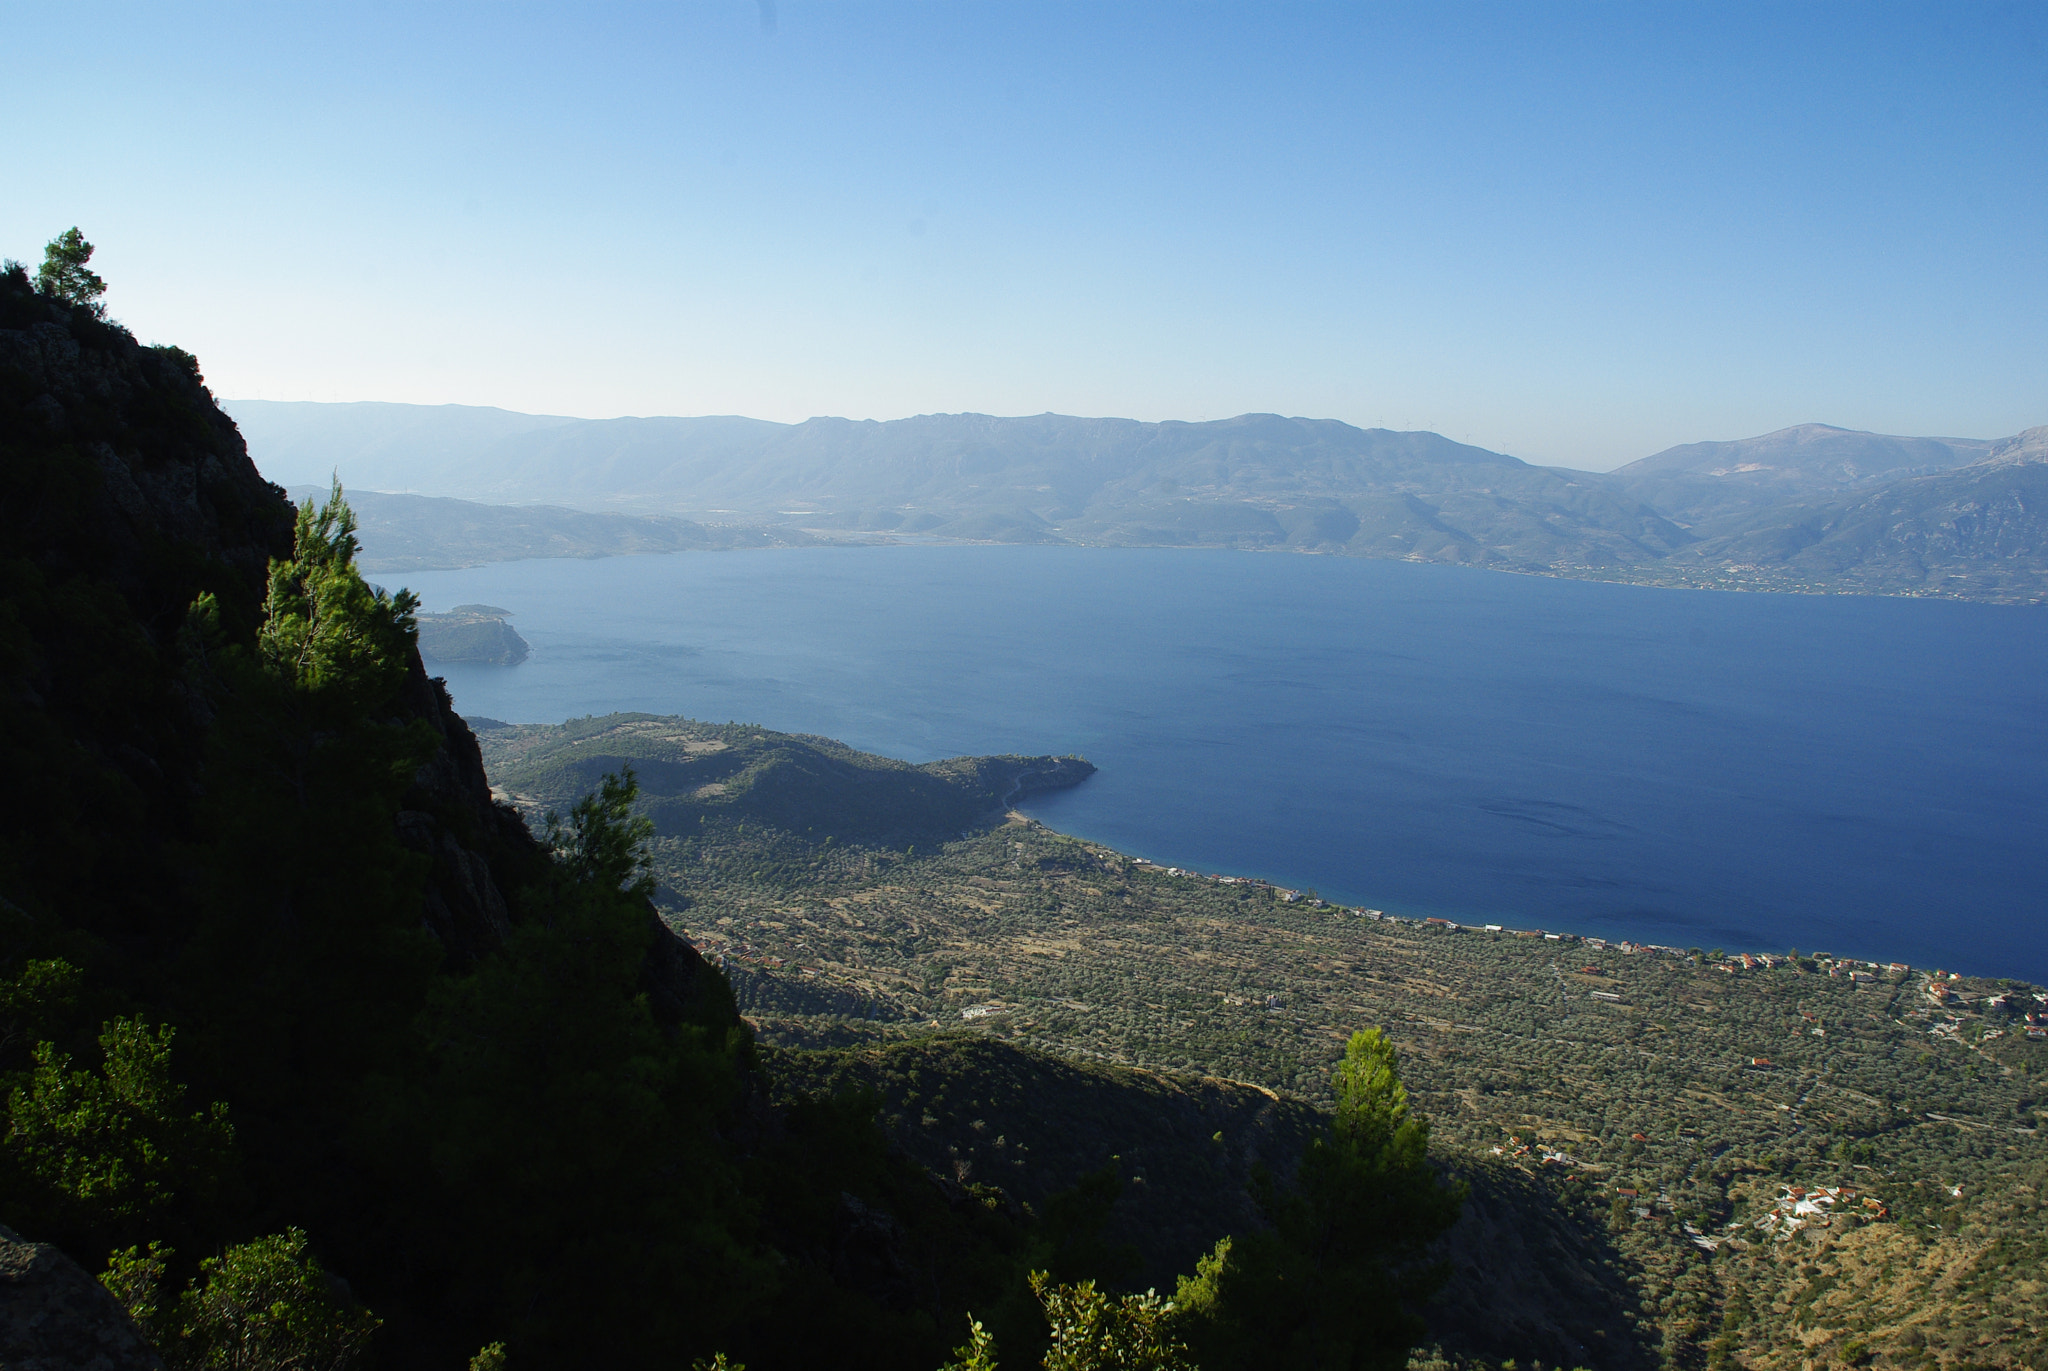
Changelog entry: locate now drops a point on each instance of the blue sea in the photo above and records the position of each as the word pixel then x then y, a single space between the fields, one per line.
pixel 1855 775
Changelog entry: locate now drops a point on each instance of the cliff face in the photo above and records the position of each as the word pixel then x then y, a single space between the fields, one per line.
pixel 125 494
pixel 119 464
pixel 490 1086
pixel 449 816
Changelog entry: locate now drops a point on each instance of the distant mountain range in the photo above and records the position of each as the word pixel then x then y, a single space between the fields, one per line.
pixel 1806 508
pixel 1974 530
pixel 421 532
pixel 1702 483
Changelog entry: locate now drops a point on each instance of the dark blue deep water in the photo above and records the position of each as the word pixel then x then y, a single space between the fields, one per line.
pixel 1854 775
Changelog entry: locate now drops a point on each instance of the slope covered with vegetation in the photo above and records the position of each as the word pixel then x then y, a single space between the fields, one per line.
pixel 470 633
pixel 697 778
pixel 1632 1122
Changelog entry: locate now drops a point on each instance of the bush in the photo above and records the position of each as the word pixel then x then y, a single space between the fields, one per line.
pixel 267 1306
pixel 96 1156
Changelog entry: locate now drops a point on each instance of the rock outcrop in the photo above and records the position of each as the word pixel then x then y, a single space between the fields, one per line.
pixel 474 842
pixel 54 1317
pixel 125 494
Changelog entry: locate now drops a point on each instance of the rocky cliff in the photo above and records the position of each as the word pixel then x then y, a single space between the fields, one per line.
pixel 125 494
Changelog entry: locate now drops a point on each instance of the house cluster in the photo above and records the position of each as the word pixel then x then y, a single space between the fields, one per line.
pixel 2030 1009
pixel 1840 968
pixel 982 1011
pixel 1515 1147
pixel 1285 894
pixel 1796 1206
pixel 1639 1204
pixel 1453 926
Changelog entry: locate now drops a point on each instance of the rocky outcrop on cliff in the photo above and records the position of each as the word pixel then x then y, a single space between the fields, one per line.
pixel 121 466
pixel 474 842
pixel 54 1317
pixel 125 495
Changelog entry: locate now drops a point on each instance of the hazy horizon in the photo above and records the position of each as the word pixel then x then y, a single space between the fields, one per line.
pixel 229 402
pixel 1574 235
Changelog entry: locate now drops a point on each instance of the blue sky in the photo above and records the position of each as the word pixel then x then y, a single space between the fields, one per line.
pixel 1577 233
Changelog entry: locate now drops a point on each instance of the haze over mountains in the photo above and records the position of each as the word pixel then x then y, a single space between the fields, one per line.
pixel 1704 482
pixel 1806 508
pixel 417 532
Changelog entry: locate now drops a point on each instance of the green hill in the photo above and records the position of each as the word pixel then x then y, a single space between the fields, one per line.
pixel 694 775
pixel 465 635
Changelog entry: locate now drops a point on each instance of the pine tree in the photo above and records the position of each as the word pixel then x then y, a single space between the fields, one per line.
pixel 1333 1283
pixel 64 273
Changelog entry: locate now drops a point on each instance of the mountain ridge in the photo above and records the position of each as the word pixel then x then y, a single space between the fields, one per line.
pixel 1736 514
pixel 1256 480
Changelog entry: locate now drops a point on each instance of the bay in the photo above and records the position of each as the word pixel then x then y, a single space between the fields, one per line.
pixel 1857 775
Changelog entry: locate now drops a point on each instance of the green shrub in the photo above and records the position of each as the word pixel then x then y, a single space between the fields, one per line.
pixel 267 1306
pixel 97 1155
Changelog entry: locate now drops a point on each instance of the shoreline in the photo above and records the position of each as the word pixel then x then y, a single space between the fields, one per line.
pixel 1291 895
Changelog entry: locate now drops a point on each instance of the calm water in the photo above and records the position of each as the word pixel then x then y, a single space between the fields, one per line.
pixel 1860 776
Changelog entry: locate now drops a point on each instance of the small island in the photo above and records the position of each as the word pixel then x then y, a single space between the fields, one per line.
pixel 471 634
